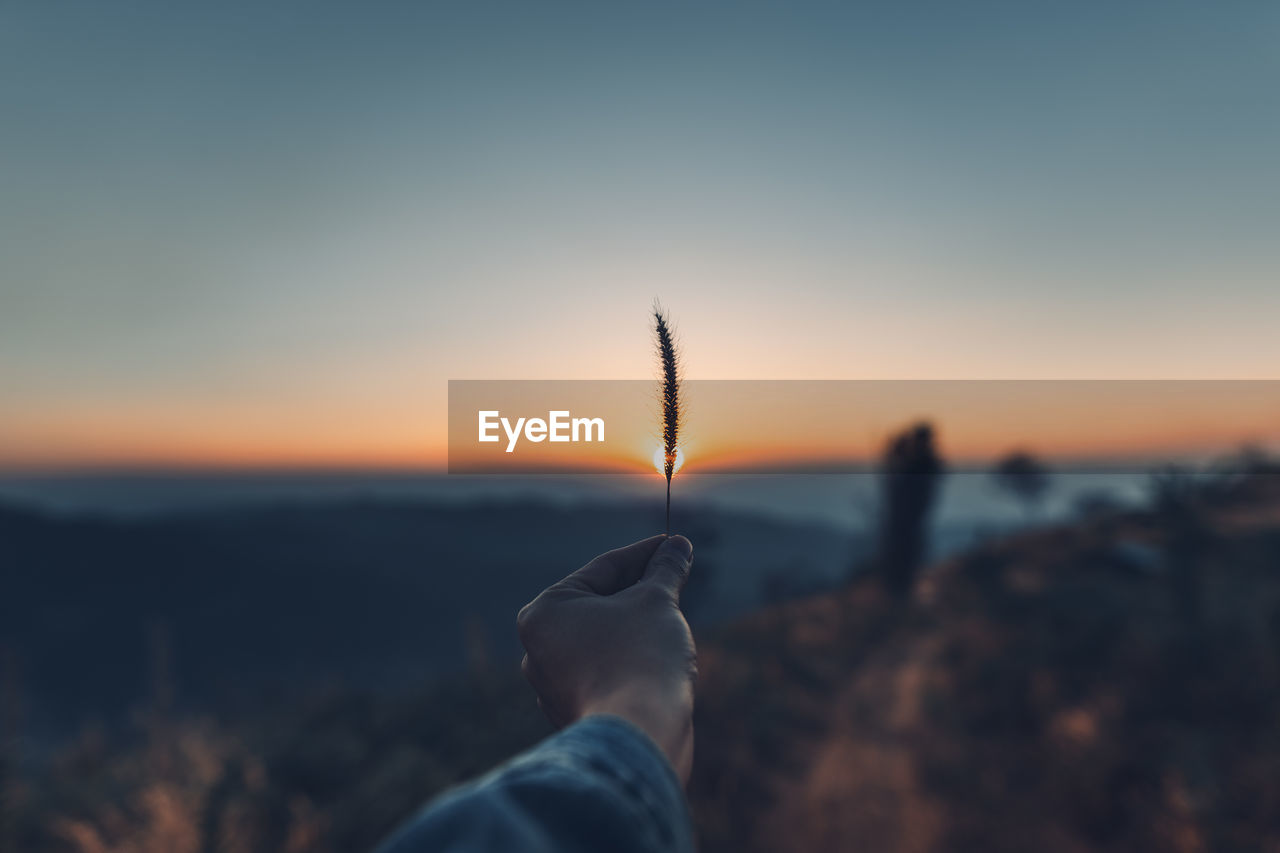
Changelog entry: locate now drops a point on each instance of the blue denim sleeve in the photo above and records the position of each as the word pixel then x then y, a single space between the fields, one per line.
pixel 599 786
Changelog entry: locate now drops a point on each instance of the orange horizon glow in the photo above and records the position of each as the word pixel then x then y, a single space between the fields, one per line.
pixel 390 460
pixel 724 433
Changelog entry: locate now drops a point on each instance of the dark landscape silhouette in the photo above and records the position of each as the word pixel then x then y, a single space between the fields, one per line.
pixel 302 678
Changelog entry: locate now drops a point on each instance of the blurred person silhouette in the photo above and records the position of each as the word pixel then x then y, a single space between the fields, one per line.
pixel 612 660
pixel 911 472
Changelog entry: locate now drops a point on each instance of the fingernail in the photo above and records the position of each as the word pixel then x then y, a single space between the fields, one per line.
pixel 679 546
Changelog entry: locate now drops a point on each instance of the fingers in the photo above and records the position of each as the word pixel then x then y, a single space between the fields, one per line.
pixel 669 566
pixel 614 570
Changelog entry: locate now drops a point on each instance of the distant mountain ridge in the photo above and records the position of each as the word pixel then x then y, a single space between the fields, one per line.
pixel 360 593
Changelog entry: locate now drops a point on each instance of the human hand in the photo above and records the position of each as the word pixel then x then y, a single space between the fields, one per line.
pixel 610 639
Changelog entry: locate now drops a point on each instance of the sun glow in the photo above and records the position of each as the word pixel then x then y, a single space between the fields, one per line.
pixel 659 460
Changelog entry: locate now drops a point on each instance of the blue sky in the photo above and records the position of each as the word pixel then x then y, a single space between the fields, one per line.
pixel 261 231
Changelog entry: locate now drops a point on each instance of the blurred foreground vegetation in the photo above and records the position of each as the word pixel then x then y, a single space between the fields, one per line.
pixel 1109 684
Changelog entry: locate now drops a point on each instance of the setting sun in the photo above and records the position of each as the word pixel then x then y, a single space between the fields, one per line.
pixel 659 460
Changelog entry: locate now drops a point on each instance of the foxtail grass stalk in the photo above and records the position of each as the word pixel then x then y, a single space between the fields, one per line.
pixel 669 366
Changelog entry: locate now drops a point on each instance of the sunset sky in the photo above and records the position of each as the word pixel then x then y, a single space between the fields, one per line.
pixel 268 234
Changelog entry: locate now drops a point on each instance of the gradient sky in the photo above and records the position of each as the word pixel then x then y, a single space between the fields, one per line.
pixel 269 233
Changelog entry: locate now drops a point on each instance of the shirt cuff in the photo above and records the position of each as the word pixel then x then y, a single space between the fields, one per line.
pixel 624 759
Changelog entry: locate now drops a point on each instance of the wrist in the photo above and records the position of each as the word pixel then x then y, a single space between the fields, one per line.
pixel 668 721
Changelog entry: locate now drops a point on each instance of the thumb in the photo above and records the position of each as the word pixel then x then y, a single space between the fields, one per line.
pixel 669 566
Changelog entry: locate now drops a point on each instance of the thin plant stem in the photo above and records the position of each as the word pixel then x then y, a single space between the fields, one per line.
pixel 668 506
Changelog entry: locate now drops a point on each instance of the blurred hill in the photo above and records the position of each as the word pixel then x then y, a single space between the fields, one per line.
pixel 1048 691
pixel 260 603
pixel 1059 689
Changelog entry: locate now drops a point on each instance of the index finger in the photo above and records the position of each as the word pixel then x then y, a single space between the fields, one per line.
pixel 613 571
